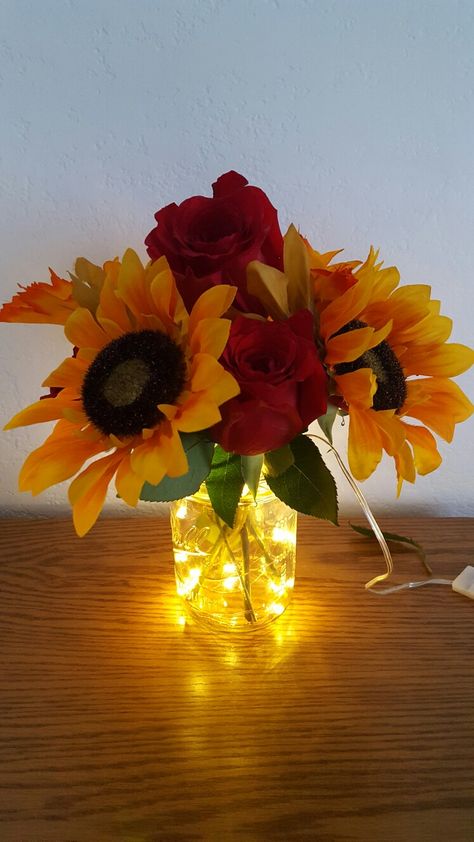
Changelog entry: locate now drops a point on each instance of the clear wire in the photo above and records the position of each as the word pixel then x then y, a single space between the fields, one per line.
pixel 369 586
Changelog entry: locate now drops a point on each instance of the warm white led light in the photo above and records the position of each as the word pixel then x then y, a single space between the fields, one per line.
pixel 181 513
pixel 283 535
pixel 180 555
pixel 229 568
pixel 276 608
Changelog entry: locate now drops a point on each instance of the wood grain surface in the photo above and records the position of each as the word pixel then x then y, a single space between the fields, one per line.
pixel 350 720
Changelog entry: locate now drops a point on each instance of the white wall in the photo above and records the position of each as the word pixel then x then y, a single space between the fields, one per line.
pixel 355 116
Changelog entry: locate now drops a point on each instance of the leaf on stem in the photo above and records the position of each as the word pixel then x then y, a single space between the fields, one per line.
pixel 278 461
pixel 224 484
pixel 251 470
pixel 307 485
pixel 399 539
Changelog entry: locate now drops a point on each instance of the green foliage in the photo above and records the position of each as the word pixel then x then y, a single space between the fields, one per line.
pixel 307 485
pixel 326 422
pixel 278 461
pixel 199 453
pixel 251 470
pixel 399 539
pixel 224 484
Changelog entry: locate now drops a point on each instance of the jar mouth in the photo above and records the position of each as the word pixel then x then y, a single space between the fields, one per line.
pixel 264 494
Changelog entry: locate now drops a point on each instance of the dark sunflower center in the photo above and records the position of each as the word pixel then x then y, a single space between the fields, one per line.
pixel 127 380
pixel 391 386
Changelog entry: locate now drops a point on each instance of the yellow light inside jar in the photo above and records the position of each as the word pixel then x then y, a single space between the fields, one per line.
pixel 181 555
pixel 181 513
pixel 190 582
pixel 283 535
pixel 276 608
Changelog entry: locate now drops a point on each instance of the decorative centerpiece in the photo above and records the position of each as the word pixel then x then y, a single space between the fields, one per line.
pixel 194 379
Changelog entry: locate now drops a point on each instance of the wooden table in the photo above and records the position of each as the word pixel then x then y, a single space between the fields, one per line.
pixel 352 719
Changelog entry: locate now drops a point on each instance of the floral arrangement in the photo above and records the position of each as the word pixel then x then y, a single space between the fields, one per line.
pixel 209 363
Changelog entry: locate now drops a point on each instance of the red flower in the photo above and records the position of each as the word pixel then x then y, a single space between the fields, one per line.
pixel 282 380
pixel 211 241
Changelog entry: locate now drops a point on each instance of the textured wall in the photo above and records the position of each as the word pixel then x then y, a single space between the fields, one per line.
pixel 356 117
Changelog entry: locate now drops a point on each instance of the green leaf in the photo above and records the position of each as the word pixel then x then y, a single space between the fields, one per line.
pixel 399 539
pixel 251 470
pixel 278 461
pixel 326 422
pixel 199 453
pixel 307 485
pixel 224 484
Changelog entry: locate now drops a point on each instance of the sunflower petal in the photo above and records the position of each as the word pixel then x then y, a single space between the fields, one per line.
pixel 365 446
pixel 41 303
pixel 438 403
pixel 405 466
pixel 127 482
pixel 426 455
pixel 212 304
pixel 60 456
pixel 358 387
pixel 150 460
pixel 346 347
pixel 88 491
pixel 197 414
pixel 49 409
pixel 69 374
pixel 210 337
pixel 446 360
pixel 344 309
pixel 82 330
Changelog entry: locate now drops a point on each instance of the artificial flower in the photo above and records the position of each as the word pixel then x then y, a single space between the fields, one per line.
pixel 283 385
pixel 386 349
pixel 144 371
pixel 209 241
pixel 41 303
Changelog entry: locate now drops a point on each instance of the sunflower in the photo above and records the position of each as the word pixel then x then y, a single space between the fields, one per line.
pixel 386 350
pixel 144 371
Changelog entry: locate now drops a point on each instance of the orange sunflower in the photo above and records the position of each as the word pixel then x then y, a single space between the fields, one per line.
pixel 386 349
pixel 144 371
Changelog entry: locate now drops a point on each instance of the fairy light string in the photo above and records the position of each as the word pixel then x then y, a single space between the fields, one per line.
pixel 382 577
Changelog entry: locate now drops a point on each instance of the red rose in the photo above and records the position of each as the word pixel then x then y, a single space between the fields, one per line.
pixel 211 241
pixel 282 380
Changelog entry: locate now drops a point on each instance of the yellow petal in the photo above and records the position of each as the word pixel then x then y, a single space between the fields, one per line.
pixel 296 263
pixel 345 308
pixel 69 374
pixel 60 456
pixel 111 307
pixel 205 370
pixel 346 347
pixel 223 388
pixel 438 361
pixel 438 403
pixel 132 285
pixel 405 466
pixel 210 337
pixel 88 491
pixel 391 430
pixel 49 409
pixel 82 330
pixel 197 414
pixel 150 460
pixel 168 304
pixel 270 286
pixel 128 483
pixel 426 455
pixel 358 387
pixel 213 303
pixel 178 461
pixel 365 447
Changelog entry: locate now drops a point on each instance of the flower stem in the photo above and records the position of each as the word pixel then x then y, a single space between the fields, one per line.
pixel 249 612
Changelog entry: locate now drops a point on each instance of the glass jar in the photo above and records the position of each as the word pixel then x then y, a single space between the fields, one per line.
pixel 238 578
